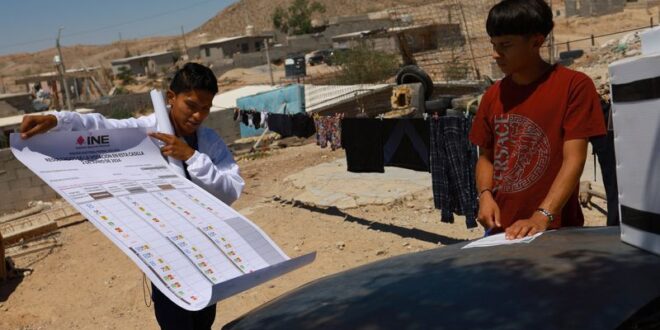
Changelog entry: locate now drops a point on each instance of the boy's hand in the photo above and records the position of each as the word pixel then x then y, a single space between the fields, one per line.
pixel 527 227
pixel 489 212
pixel 174 147
pixel 37 124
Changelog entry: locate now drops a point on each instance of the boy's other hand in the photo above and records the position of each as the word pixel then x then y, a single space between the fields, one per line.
pixel 527 227
pixel 37 124
pixel 174 147
pixel 489 212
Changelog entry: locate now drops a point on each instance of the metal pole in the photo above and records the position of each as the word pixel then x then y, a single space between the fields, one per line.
pixel 63 68
pixel 551 49
pixel 270 70
pixel 185 46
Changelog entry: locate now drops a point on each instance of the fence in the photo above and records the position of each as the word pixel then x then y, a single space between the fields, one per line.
pixel 456 45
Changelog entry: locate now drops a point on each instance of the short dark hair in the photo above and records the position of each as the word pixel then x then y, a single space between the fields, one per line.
pixel 520 17
pixel 194 76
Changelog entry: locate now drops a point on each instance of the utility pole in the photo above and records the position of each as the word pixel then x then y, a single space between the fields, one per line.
pixel 270 70
pixel 185 47
pixel 63 68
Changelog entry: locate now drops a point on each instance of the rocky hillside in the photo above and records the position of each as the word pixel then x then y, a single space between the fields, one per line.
pixel 257 13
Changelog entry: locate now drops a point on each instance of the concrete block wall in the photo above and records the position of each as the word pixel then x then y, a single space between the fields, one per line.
pixel 18 185
pixel 587 8
pixel 21 102
pixel 223 123
pixel 643 4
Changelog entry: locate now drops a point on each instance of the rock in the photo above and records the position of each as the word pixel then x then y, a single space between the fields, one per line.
pixel 272 286
pixel 410 205
pixel 405 244
pixel 632 52
pixel 381 252
pixel 296 248
pixel 341 245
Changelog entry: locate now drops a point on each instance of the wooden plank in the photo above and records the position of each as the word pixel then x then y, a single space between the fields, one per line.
pixel 28 230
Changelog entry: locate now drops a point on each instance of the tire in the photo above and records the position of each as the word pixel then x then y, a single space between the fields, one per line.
pixel 413 74
pixel 571 54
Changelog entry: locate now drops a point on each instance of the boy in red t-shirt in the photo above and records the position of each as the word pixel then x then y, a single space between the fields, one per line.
pixel 532 128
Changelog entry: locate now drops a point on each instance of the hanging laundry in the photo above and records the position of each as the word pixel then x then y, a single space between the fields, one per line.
pixel 328 129
pixel 303 125
pixel 264 117
pixel 300 125
pixel 256 119
pixel 362 140
pixel 406 143
pixel 453 162
pixel 244 118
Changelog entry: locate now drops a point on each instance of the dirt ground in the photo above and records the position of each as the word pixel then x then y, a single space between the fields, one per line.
pixel 88 283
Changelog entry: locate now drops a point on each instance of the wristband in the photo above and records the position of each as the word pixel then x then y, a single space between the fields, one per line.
pixel 485 190
pixel 547 213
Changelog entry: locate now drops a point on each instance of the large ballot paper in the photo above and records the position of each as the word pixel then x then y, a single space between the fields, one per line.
pixel 194 248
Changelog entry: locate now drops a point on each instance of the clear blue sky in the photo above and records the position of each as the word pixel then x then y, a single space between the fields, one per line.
pixel 31 25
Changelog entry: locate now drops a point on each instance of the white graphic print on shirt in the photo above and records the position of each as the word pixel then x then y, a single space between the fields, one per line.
pixel 522 153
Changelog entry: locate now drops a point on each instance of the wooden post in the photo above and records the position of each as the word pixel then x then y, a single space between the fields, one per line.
pixel 3 269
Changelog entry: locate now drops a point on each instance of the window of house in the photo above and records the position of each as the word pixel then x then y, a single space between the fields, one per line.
pixel 207 52
pixel 257 46
pixel 245 47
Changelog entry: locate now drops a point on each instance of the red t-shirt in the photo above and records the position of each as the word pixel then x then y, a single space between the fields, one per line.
pixel 526 126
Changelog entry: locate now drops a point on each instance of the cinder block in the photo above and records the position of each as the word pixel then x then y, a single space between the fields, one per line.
pixel 20 184
pixel 9 175
pixel 24 173
pixel 31 194
pixel 49 194
pixel 13 165
pixel 36 181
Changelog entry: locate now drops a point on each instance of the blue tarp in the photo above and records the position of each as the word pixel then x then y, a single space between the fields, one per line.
pixel 289 100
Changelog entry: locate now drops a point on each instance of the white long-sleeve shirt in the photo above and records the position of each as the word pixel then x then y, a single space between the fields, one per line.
pixel 211 167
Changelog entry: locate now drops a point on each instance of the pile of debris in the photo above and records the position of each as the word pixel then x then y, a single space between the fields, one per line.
pixel 595 64
pixel 33 230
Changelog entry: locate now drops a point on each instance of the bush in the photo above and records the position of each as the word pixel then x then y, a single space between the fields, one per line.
pixel 125 75
pixel 363 65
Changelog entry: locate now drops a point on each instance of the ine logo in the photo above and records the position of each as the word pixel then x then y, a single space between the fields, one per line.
pixel 92 140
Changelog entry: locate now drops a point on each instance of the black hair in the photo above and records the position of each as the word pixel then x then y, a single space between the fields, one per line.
pixel 520 17
pixel 194 76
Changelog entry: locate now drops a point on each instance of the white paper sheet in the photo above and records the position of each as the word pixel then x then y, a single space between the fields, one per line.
pixel 194 248
pixel 499 239
pixel 164 124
